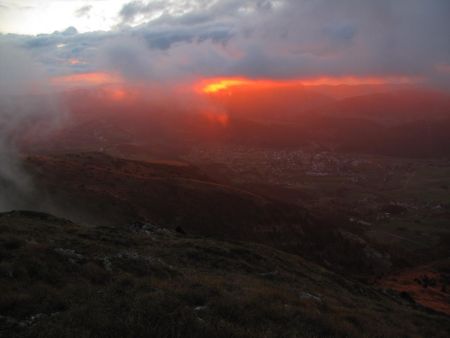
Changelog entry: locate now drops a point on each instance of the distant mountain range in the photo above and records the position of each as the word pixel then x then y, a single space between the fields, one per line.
pixel 408 123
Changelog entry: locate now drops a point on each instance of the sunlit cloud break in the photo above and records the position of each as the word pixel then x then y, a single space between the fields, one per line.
pixel 215 85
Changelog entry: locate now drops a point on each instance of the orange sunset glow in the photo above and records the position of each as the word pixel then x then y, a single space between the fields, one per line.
pixel 217 117
pixel 216 85
pixel 86 79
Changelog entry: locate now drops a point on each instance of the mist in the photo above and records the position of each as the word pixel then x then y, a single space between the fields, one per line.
pixel 28 110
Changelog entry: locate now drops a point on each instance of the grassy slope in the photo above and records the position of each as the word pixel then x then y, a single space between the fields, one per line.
pixel 100 189
pixel 60 279
pixel 114 191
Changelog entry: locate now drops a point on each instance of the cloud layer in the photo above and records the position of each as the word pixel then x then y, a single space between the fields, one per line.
pixel 167 40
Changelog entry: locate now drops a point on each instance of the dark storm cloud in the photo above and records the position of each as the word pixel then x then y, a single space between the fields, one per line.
pixel 83 11
pixel 132 9
pixel 129 56
pixel 278 38
pixel 348 37
pixel 164 39
pixel 190 12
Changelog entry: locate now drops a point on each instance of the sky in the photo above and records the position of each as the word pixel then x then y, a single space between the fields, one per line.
pixel 174 55
pixel 344 41
pixel 47 16
pixel 164 56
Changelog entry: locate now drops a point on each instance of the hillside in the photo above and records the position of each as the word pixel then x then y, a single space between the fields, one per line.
pixel 96 188
pixel 61 279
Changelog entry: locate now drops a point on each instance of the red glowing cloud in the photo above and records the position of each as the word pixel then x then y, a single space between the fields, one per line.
pixel 216 85
pixel 219 100
pixel 215 116
pixel 273 99
pixel 86 79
